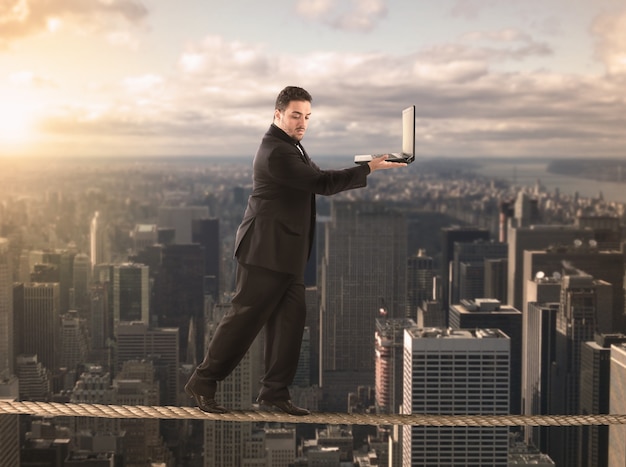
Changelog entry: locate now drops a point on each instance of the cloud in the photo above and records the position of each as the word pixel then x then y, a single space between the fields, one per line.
pixel 221 100
pixel 352 15
pixel 608 31
pixel 22 18
pixel 470 9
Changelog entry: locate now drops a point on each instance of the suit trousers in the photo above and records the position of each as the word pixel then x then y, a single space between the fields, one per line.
pixel 263 298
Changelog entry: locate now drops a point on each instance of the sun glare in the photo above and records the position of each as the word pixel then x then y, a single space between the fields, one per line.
pixel 15 121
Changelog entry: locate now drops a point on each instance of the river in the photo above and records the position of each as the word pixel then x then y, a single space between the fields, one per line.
pixel 526 173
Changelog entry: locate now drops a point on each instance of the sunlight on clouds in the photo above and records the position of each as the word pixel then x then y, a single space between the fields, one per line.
pixel 192 62
pixel 17 116
pixel 143 84
pixel 611 42
pixel 452 72
pixel 314 8
pixel 18 12
pixel 353 15
pixel 53 24
pixel 123 39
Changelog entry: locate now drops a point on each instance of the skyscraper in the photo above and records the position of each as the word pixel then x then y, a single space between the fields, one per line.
pixel 455 372
pixel 535 237
pixel 450 236
pixel 225 443
pixel 73 341
pixel 364 266
pixel 40 322
pixel 206 232
pixel 595 385
pixel 496 279
pixel 538 353
pixel 583 299
pixel 468 268
pixel 580 258
pixel 420 283
pixel 81 278
pixel 491 314
pixel 137 341
pixel 131 293
pixel 180 218
pixel 98 240
pixel 389 355
pixel 178 293
pixel 617 404
pixel 6 311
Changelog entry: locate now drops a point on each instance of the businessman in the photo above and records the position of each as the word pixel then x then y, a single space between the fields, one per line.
pixel 272 247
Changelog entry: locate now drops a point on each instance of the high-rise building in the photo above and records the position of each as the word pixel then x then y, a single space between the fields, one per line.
pixel 583 300
pixel 93 386
pixel 364 268
pixel 144 235
pixel 180 218
pixel 136 384
pixel 206 232
pixel 9 438
pixel 617 404
pixel 607 230
pixel 98 240
pixel 280 446
pixel 225 443
pixel 313 324
pixel 538 353
pixel 33 377
pixel 455 372
pixel 39 321
pixel 6 311
pixel 468 268
pixel 100 322
pixel 450 236
pixel 580 258
pixel 491 314
pixel 131 291
pixel 178 294
pixel 389 355
pixel 496 279
pixel 525 210
pixel 81 281
pixel 534 237
pixel 303 372
pixel 420 283
pixel 137 341
pixel 595 384
pixel 73 341
pixel 63 260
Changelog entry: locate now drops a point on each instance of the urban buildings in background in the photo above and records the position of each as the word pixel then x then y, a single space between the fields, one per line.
pixel 434 290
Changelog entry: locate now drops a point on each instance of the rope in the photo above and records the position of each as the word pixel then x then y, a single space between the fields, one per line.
pixel 53 409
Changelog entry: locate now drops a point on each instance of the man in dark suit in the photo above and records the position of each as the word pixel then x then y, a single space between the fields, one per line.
pixel 272 247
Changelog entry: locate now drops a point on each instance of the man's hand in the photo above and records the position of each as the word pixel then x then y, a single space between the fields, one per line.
pixel 380 163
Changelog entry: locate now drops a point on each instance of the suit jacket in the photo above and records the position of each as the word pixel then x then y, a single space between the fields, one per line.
pixel 279 222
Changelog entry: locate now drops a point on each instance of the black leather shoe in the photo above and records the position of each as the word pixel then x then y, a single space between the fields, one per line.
pixel 284 406
pixel 206 404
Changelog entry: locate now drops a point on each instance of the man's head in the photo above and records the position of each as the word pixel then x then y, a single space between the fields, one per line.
pixel 292 111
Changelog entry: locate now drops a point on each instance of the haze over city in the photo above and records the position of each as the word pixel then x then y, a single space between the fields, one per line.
pixel 153 77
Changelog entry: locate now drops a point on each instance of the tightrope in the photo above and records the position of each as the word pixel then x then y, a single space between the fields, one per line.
pixel 55 409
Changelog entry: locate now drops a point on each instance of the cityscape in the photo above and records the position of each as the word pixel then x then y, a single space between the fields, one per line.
pixel 437 289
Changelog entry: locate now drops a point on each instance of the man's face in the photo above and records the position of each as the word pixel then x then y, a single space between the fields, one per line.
pixel 295 119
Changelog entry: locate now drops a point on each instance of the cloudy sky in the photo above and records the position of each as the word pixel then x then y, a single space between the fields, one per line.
pixel 532 78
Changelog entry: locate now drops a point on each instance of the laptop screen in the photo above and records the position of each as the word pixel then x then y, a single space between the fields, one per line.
pixel 408 131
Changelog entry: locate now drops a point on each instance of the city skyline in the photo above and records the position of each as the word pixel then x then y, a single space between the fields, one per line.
pixel 46 216
pixel 150 77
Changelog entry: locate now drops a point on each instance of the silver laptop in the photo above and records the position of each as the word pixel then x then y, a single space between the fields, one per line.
pixel 408 142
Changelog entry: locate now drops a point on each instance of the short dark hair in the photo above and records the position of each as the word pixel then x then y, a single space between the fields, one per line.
pixel 291 93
